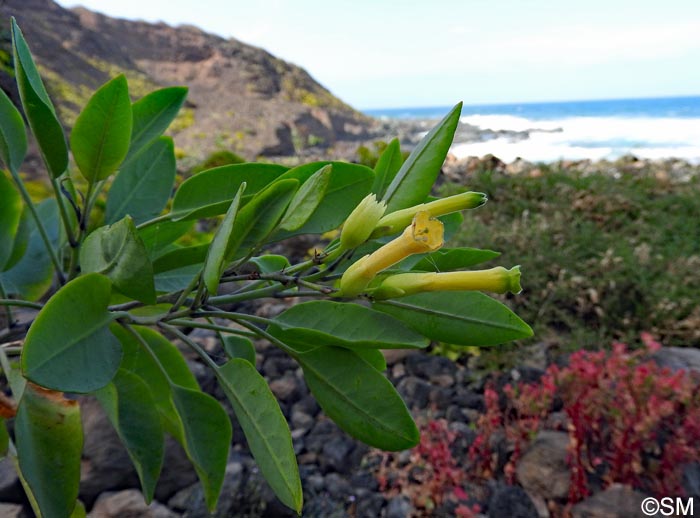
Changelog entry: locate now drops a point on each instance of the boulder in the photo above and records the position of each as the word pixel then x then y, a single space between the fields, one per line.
pixel 511 502
pixel 543 470
pixel 128 504
pixel 617 501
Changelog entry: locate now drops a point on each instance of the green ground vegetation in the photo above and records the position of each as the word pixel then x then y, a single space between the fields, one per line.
pixel 603 258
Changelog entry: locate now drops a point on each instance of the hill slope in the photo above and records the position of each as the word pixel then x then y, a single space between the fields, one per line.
pixel 241 97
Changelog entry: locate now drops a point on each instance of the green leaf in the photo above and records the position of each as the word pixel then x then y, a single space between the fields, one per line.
pixel 460 318
pixel 129 405
pixel 210 192
pixel 265 429
pixel 152 115
pixel 181 256
pixel 21 239
pixel 374 357
pixel 117 252
pixel 322 322
pixel 239 347
pixel 142 187
pixel 176 279
pixel 10 217
pixel 31 277
pixel 159 236
pixel 257 220
pixel 13 136
pixel 453 259
pixel 38 107
pixel 140 363
pixel 49 439
pixel 216 257
pixel 348 185
pixel 307 199
pixel 270 263
pixel 358 398
pixel 69 346
pixel 418 173
pixel 78 510
pixel 102 132
pixel 4 438
pixel 386 168
pixel 207 432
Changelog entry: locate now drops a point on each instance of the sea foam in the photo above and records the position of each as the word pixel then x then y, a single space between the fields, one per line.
pixel 585 137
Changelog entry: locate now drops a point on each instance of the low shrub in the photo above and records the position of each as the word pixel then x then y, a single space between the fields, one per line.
pixel 629 420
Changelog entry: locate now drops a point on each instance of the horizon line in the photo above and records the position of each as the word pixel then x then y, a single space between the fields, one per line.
pixel 560 101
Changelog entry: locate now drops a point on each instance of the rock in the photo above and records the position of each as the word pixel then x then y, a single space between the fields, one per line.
pixel 177 471
pixel 10 486
pixel 518 166
pixel 399 507
pixel 337 487
pixel 394 356
pixel 678 358
pixel 364 480
pixel 11 511
pixel 414 391
pixel 427 366
pixel 336 454
pixel 128 504
pixel 285 388
pixel 275 367
pixel 106 465
pixel 617 501
pixel 511 502
pixel 315 483
pixel 307 405
pixel 469 399
pixel 543 469
pixel 691 479
pixel 368 505
pixel 301 420
pixel 440 397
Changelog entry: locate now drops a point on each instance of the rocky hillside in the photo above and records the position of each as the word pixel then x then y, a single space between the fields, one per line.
pixel 241 97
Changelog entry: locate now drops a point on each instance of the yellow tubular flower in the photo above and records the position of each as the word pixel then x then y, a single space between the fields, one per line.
pixel 423 235
pixel 394 222
pixel 496 280
pixel 361 222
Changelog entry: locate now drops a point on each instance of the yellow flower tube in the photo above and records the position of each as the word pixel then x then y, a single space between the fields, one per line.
pixel 495 280
pixel 424 234
pixel 361 222
pixel 394 222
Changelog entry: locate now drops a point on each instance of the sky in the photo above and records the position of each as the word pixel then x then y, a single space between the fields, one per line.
pixel 386 53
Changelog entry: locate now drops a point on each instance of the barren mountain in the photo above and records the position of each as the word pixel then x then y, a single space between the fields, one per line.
pixel 241 97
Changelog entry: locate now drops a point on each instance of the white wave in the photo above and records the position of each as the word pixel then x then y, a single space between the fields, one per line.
pixel 586 137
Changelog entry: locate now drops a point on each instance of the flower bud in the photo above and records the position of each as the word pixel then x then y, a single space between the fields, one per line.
pixel 495 280
pixel 425 234
pixel 361 222
pixel 394 222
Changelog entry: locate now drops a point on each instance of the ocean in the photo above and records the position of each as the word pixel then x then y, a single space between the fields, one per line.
pixel 605 129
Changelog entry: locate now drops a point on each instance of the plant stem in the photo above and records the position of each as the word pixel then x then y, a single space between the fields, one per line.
pixel 267 336
pixel 39 225
pixel 183 295
pixel 246 295
pixel 20 303
pixel 193 345
pixel 213 327
pixel 230 315
pixel 8 307
pixel 63 212
pixel 157 219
